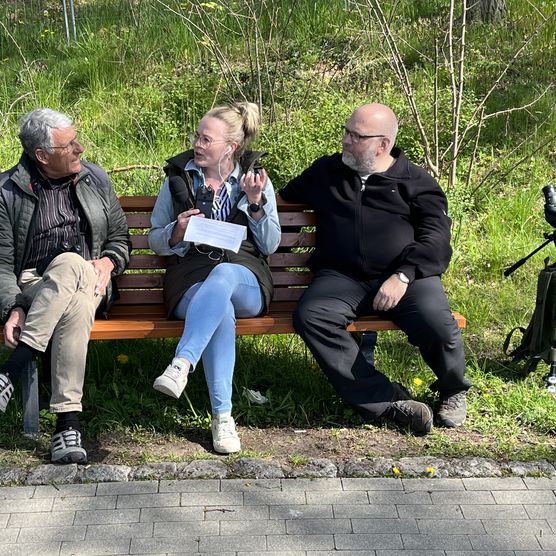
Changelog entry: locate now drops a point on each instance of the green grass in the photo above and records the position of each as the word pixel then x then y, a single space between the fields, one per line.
pixel 140 76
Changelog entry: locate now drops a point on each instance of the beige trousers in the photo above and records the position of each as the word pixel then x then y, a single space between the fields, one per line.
pixel 62 309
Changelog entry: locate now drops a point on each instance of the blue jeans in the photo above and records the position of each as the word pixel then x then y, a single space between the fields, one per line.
pixel 209 309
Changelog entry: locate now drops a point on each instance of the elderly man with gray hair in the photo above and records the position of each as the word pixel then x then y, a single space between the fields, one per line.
pixel 63 236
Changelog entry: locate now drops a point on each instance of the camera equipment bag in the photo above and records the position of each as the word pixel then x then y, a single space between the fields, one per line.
pixel 538 337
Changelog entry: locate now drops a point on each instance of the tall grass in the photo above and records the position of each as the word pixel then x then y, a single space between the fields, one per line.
pixel 142 73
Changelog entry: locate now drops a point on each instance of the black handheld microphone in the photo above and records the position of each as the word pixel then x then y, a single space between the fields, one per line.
pixel 178 188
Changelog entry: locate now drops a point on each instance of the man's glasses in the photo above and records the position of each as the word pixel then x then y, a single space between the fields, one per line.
pixel 204 141
pixel 357 137
pixel 73 144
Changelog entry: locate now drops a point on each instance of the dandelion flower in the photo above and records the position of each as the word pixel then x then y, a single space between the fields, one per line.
pixel 396 471
pixel 430 470
pixel 122 359
pixel 417 381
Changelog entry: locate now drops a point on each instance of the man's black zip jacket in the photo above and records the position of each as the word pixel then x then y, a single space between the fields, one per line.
pixel 394 222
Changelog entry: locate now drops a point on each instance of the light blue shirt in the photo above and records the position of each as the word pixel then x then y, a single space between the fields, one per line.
pixel 266 231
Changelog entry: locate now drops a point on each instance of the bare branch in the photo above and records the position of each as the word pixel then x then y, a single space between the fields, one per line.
pixel 493 87
pixel 517 108
pixel 134 167
pixel 401 71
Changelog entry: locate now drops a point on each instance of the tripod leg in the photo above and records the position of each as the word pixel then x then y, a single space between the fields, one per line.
pixel 550 378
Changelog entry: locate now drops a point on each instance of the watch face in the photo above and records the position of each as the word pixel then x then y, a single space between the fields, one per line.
pixel 403 277
pixel 254 207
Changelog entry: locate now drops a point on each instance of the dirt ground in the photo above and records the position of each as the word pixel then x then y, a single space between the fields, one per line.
pixel 282 444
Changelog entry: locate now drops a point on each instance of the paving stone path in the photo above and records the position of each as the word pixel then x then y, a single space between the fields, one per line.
pixel 513 516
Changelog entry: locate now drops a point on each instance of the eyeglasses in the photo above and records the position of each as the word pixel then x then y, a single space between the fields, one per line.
pixel 357 137
pixel 74 144
pixel 204 141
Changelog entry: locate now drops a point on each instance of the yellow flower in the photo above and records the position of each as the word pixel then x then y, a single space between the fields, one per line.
pixel 430 470
pixel 122 359
pixel 417 381
pixel 396 471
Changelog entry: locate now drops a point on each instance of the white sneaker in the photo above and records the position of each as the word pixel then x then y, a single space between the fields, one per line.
pixel 224 436
pixel 173 380
pixel 6 391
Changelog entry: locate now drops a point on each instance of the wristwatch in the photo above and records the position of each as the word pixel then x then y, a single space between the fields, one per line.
pixel 403 278
pixel 256 207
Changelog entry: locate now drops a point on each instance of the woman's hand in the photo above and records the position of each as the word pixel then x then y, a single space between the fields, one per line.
pixel 181 224
pixel 253 184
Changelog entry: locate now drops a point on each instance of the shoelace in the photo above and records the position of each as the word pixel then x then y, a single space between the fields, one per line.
pixel 71 438
pixel 174 372
pixel 455 401
pixel 225 428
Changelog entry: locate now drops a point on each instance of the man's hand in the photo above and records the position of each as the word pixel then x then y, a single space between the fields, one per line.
pixel 389 294
pixel 14 327
pixel 103 269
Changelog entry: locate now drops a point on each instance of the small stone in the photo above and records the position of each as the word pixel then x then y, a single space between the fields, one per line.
pixel 315 468
pixel 12 475
pixel 154 471
pixel 474 467
pixel 103 473
pixel 376 467
pixel 531 468
pixel 202 469
pixel 423 467
pixel 257 468
pixel 52 474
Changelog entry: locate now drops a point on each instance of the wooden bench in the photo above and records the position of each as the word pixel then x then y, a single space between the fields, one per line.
pixel 140 314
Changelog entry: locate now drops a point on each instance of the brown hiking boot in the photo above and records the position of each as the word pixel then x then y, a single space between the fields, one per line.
pixel 417 415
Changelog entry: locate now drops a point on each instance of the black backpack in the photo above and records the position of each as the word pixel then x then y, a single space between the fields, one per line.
pixel 538 337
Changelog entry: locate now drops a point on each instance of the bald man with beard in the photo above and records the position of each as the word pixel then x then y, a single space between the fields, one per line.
pixel 382 243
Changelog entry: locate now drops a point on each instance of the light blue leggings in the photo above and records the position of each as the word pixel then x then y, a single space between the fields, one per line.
pixel 209 309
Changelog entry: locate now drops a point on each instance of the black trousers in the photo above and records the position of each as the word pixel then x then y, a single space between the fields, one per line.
pixel 334 299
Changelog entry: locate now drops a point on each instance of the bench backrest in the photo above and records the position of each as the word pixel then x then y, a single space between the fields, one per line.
pixel 142 281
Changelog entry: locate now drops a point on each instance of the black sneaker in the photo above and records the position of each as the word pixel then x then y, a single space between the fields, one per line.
pixel 417 415
pixel 452 410
pixel 66 447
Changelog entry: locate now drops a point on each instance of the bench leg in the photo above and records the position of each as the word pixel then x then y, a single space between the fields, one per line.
pixel 367 346
pixel 30 390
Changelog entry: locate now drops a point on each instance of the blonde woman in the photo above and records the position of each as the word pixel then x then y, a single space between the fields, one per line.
pixel 209 287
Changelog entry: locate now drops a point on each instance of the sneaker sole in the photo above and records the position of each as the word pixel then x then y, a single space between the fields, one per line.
pixel 222 450
pixel 74 456
pixel 163 386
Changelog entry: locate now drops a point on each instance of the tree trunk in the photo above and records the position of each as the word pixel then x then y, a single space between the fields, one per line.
pixel 488 11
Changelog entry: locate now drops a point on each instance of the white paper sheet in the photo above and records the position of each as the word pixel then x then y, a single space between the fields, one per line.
pixel 215 233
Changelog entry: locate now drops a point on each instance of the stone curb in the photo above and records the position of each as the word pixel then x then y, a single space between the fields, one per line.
pixel 257 468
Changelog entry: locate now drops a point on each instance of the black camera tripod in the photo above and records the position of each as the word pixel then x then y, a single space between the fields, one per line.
pixel 550 378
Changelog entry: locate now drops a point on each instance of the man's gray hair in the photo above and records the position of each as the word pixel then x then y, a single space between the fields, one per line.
pixel 35 129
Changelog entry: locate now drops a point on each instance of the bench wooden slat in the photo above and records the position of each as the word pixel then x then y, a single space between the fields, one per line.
pixel 131 327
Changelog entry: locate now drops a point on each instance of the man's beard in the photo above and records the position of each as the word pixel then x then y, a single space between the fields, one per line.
pixel 363 164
